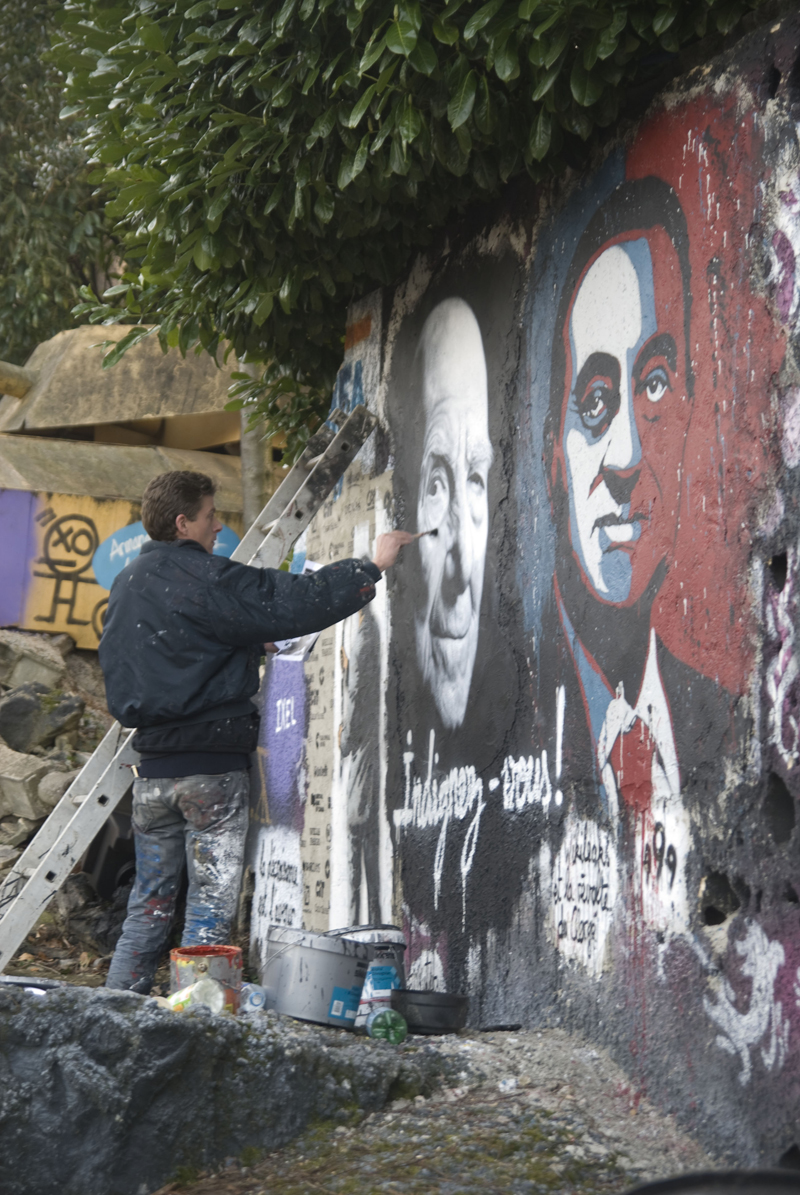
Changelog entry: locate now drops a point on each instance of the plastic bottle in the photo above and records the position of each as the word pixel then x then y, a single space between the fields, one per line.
pixel 253 998
pixel 207 991
pixel 388 1025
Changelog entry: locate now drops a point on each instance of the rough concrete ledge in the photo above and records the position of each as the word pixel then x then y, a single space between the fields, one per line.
pixel 106 1093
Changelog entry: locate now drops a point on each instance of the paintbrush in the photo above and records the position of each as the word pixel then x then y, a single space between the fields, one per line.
pixel 433 531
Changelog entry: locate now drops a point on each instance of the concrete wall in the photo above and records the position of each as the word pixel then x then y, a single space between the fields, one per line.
pixel 561 745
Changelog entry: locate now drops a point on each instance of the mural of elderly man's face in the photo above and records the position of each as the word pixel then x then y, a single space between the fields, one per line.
pixel 625 415
pixel 452 497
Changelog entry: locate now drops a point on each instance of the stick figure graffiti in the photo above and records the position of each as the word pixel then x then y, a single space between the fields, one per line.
pixel 69 545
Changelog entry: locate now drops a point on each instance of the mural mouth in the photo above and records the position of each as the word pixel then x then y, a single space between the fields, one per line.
pixel 452 622
pixel 619 531
pixel 619 520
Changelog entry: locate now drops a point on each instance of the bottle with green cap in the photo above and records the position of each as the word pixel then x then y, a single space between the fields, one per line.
pixel 388 1025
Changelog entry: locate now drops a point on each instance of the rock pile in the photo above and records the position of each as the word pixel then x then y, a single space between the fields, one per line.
pixel 52 715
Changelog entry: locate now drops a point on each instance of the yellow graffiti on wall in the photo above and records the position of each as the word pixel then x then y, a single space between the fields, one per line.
pixel 63 592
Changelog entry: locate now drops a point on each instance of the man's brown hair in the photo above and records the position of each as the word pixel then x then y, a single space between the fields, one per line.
pixel 169 495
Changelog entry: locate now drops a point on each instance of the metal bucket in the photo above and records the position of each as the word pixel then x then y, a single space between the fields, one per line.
pixel 315 977
pixel 386 972
pixel 187 964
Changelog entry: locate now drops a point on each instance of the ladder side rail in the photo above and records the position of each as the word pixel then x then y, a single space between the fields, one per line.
pixel 319 484
pixel 25 907
pixel 291 483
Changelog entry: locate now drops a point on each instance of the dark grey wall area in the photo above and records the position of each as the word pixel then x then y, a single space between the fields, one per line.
pixel 593 685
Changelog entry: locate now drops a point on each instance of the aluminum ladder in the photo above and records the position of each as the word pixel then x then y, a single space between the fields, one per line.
pixel 106 777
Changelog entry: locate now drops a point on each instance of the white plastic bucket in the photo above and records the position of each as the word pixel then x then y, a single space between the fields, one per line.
pixel 386 971
pixel 315 977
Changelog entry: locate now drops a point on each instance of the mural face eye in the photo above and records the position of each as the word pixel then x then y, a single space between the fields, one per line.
pixel 596 404
pixel 476 490
pixel 437 494
pixel 656 384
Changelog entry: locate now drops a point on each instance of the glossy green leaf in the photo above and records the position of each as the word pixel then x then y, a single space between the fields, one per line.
pixel 323 207
pixel 411 12
pixel 546 81
pixel 263 309
pixel 151 35
pixel 120 347
pixel 506 62
pixel 401 37
pixel 485 114
pixel 360 106
pixel 423 57
pixel 586 87
pixel 372 53
pixel 445 32
pixel 409 123
pixel 540 135
pixel 663 19
pixel 461 103
pixel 482 17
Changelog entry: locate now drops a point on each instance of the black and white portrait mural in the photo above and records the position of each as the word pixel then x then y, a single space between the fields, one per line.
pixel 452 503
pixel 453 666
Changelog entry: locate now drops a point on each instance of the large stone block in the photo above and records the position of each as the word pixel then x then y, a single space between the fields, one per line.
pixel 19 783
pixel 53 786
pixel 28 659
pixel 32 716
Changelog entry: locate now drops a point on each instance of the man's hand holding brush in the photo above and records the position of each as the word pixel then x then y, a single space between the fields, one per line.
pixel 388 545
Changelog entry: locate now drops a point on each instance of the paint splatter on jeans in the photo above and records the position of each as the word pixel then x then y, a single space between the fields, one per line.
pixel 197 821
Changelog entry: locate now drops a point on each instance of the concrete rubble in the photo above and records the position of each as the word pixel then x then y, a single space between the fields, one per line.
pixel 124 1091
pixel 34 716
pixel 19 784
pixel 52 715
pixel 29 659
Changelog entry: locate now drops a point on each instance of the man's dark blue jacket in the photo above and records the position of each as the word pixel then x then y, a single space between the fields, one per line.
pixel 183 636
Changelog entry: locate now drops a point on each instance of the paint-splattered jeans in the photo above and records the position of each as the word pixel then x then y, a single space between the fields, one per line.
pixel 200 821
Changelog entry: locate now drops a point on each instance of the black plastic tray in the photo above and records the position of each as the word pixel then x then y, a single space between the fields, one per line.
pixel 431 1012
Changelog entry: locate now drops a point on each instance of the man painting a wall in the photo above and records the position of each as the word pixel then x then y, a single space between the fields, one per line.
pixel 180 652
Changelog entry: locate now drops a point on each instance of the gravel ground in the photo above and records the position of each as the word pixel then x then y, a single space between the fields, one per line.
pixel 534 1112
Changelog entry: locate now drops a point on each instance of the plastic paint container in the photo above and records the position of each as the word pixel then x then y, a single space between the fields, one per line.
pixel 187 964
pixel 386 970
pixel 315 977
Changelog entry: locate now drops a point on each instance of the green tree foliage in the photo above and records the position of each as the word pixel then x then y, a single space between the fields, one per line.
pixel 267 161
pixel 51 224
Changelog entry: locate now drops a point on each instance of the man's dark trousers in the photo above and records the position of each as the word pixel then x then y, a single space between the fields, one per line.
pixel 199 820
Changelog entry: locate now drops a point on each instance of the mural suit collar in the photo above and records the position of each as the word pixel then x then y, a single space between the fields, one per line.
pixel 609 714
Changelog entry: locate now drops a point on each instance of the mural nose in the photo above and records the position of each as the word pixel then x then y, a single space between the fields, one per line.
pixel 621 485
pixel 624 449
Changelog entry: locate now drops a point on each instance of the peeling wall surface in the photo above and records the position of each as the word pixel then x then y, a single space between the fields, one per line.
pixel 560 747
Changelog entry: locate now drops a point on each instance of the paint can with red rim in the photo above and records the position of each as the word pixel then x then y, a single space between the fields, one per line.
pixel 188 964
